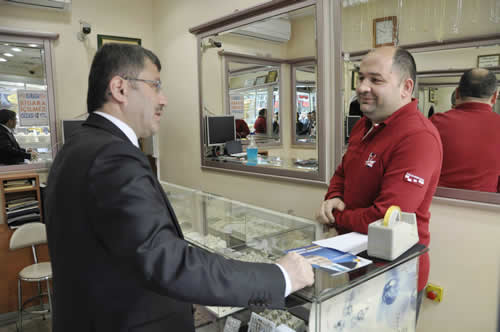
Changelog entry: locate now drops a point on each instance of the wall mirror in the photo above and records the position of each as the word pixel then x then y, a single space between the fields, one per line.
pixel 258 82
pixel 442 53
pixel 26 89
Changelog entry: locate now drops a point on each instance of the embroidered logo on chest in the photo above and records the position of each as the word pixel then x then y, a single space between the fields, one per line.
pixel 414 179
pixel 371 160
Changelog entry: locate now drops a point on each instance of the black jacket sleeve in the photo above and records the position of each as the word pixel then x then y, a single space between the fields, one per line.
pixel 133 222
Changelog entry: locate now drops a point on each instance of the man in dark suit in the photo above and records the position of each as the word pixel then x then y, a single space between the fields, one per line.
pixel 10 151
pixel 119 259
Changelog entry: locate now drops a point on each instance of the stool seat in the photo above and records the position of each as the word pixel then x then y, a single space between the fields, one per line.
pixel 36 272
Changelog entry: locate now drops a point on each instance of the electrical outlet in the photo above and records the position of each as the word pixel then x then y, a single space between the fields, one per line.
pixel 434 292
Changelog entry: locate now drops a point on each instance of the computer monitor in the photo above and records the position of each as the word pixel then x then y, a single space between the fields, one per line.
pixel 69 127
pixel 350 122
pixel 220 129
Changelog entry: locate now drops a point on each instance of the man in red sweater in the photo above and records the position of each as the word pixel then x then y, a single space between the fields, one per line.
pixel 394 154
pixel 471 135
pixel 260 124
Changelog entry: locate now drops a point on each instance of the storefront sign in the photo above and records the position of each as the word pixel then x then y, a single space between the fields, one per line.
pixel 33 108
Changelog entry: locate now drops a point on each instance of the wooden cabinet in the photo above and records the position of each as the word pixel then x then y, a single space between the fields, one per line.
pixel 20 197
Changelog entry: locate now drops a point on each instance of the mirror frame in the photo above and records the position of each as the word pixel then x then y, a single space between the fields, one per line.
pixel 482 40
pixel 248 16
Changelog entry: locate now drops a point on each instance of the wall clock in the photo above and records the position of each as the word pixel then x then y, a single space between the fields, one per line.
pixel 384 31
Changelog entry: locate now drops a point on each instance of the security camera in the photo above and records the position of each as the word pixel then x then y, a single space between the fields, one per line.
pixel 211 44
pixel 215 43
pixel 85 29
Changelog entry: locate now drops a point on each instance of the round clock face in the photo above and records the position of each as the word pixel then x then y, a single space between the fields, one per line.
pixel 384 32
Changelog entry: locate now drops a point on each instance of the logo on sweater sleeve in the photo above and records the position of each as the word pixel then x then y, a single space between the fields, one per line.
pixel 414 179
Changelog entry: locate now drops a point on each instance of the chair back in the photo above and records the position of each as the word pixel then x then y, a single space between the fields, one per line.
pixel 27 235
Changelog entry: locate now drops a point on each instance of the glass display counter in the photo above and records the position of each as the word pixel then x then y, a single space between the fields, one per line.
pixel 378 297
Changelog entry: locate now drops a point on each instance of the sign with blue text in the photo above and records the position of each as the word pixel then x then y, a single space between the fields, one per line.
pixel 33 108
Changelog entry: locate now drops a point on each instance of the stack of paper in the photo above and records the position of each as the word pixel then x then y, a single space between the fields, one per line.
pixel 353 242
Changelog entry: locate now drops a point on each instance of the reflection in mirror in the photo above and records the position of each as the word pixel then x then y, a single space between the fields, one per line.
pixel 305 103
pixel 254 99
pixel 246 72
pixel 466 37
pixel 23 90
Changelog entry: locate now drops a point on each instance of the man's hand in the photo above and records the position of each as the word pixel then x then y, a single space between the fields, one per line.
pixel 34 154
pixel 325 215
pixel 299 270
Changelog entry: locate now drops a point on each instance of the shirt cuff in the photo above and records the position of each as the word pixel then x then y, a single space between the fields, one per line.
pixel 288 283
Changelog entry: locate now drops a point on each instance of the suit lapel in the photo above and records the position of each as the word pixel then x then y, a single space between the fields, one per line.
pixel 97 121
pixel 11 137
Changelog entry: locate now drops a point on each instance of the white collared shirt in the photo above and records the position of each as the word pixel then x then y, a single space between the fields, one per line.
pixel 125 128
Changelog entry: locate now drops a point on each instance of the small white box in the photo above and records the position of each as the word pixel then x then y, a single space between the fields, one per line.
pixel 389 242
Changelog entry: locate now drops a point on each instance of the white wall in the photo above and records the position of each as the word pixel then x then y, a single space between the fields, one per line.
pixel 71 57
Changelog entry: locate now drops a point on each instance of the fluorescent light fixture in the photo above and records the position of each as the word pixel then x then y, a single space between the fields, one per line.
pixel 3 60
pixel 16 49
pixel 8 54
pixel 33 45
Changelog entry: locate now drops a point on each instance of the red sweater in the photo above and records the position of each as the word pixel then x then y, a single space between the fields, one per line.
pixel 260 125
pixel 471 147
pixel 397 163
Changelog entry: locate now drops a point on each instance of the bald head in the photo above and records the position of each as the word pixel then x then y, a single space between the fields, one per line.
pixel 477 83
pixel 402 61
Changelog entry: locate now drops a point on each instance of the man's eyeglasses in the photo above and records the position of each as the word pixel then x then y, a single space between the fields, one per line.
pixel 155 84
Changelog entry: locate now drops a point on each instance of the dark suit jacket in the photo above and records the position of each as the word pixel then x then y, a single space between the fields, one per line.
pixel 118 255
pixel 10 151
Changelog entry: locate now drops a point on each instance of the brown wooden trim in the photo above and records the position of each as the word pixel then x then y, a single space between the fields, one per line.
pixel 277 60
pixel 251 57
pixel 447 42
pixel 451 72
pixel 240 15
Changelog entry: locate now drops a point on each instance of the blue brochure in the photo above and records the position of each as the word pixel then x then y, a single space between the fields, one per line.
pixel 333 260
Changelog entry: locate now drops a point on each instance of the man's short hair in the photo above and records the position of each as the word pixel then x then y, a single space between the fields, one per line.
pixel 262 111
pixel 6 115
pixel 454 97
pixel 477 83
pixel 111 60
pixel 405 63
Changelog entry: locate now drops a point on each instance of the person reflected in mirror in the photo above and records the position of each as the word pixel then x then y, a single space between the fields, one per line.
pixel 114 239
pixel 394 154
pixel 276 124
pixel 453 99
pixel 312 121
pixel 260 124
pixel 471 135
pixel 242 129
pixel 10 151
pixel 304 127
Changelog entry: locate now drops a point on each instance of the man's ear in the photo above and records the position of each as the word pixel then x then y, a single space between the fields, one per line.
pixel 407 88
pixel 118 89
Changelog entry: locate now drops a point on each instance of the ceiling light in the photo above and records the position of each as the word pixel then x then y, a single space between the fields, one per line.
pixel 33 45
pixel 6 44
pixel 8 54
pixel 16 49
pixel 3 60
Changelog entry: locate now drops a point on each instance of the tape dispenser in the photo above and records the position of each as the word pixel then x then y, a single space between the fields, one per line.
pixel 390 237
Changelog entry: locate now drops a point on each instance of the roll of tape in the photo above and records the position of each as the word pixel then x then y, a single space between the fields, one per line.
pixel 392 215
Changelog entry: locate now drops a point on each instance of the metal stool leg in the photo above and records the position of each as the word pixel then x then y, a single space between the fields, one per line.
pixel 20 305
pixel 49 295
pixel 41 298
